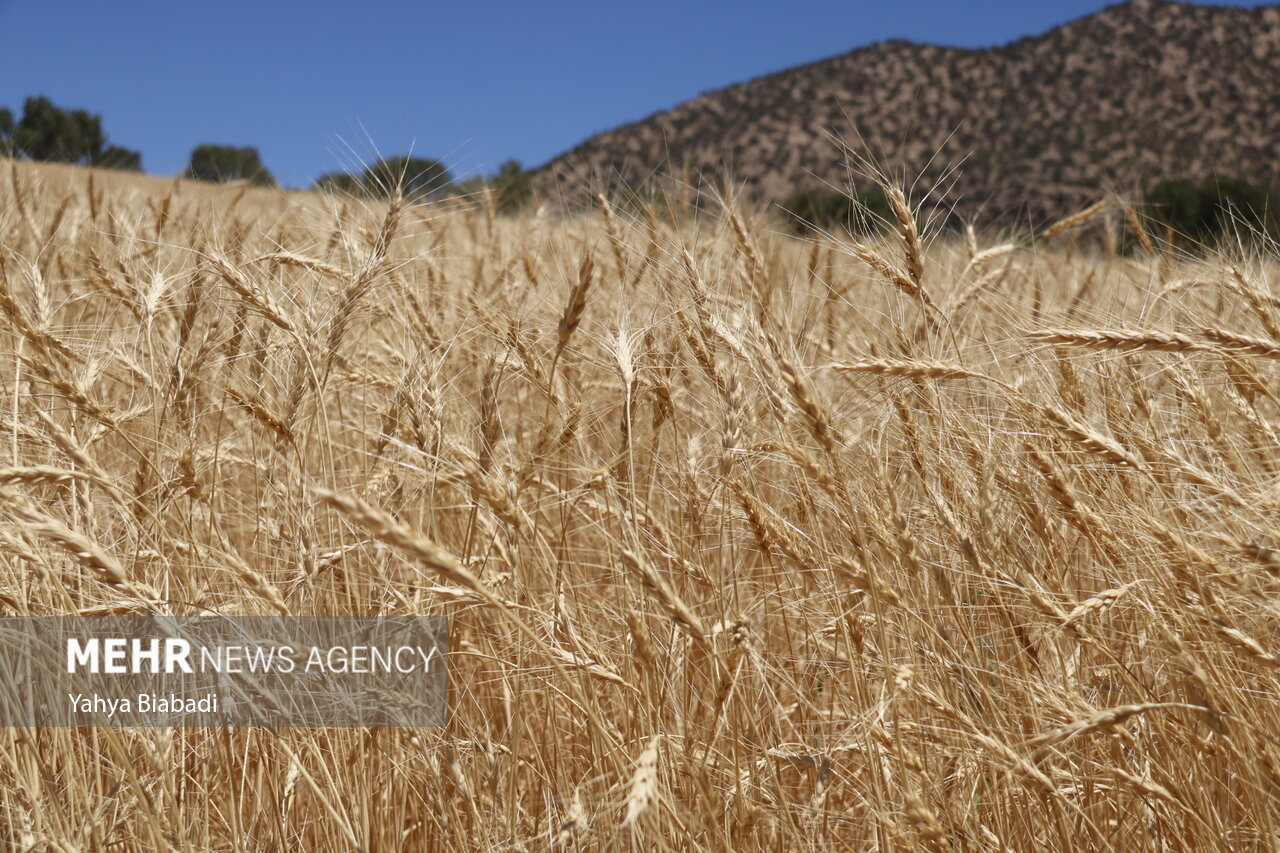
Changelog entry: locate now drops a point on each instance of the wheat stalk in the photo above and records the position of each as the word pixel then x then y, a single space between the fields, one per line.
pixel 1119 340
pixel 644 782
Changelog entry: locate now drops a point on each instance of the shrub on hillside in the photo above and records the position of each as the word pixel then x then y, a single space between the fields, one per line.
pixel 223 163
pixel 417 178
pixel 858 212
pixel 121 159
pixel 338 182
pixel 1205 212
pixel 6 132
pixel 512 187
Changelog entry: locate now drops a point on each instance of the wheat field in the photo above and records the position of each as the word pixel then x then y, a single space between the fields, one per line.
pixel 747 542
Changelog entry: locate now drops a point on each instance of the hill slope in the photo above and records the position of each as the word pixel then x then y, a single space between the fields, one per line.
pixel 1135 92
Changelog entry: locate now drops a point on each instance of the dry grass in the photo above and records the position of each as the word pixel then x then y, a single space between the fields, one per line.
pixel 747 544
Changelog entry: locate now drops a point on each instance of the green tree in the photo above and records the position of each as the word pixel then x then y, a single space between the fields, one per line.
pixel 223 163
pixel 859 212
pixel 1211 209
pixel 512 187
pixel 338 182
pixel 638 200
pixel 121 159
pixel 49 133
pixel 471 188
pixel 418 178
pixel 6 132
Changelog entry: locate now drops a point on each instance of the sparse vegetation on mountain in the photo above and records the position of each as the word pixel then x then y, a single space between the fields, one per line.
pixel 1038 128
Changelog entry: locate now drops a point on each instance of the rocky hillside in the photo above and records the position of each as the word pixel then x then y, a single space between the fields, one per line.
pixel 1138 91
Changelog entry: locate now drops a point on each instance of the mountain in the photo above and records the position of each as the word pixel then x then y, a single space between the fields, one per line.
pixel 1134 93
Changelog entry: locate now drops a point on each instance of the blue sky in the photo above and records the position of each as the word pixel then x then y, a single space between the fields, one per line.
pixel 471 82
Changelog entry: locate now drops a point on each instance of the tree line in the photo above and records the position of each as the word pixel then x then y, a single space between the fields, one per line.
pixel 1183 211
pixel 1192 212
pixel 420 179
pixel 48 133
